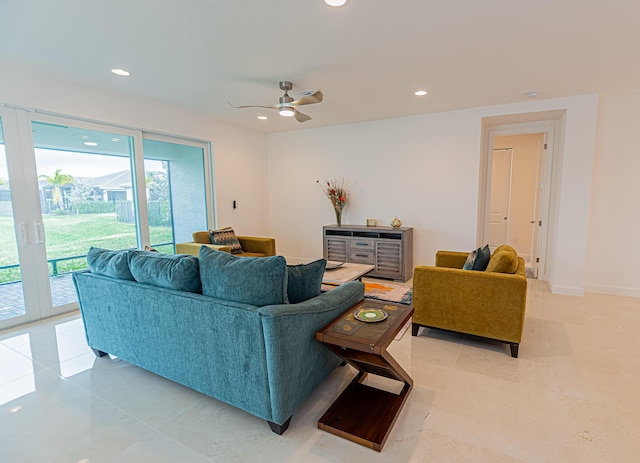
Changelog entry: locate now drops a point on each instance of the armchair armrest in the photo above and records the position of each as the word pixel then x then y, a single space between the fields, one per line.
pixel 451 259
pixel 194 248
pixel 266 246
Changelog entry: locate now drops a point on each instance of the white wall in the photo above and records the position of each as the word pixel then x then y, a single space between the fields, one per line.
pixel 239 154
pixel 425 169
pixel 613 252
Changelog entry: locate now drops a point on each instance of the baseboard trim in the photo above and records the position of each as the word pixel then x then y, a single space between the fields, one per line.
pixel 613 290
pixel 567 290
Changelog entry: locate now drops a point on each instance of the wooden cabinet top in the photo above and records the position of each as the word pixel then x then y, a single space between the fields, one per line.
pixel 364 228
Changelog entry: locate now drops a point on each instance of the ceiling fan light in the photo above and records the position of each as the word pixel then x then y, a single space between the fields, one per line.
pixel 286 111
pixel 335 2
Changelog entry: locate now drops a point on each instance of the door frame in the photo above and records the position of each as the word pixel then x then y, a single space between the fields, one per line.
pixel 549 129
pixel 22 207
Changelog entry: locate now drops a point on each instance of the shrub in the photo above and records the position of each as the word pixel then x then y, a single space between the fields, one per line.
pixel 94 207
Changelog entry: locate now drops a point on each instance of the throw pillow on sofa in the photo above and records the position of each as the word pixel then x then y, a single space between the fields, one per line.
pixel 503 260
pixel 305 280
pixel 173 271
pixel 257 281
pixel 226 237
pixel 114 264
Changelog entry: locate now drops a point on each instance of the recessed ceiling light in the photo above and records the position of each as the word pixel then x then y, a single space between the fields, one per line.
pixel 420 93
pixel 121 72
pixel 115 140
pixel 90 143
pixel 263 118
pixel 531 94
pixel 85 137
pixel 335 2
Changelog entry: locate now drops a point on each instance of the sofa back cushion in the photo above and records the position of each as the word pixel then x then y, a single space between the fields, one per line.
pixel 305 280
pixel 503 260
pixel 114 264
pixel 172 271
pixel 256 281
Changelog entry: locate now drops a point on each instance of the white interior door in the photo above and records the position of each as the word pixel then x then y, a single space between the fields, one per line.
pixel 500 194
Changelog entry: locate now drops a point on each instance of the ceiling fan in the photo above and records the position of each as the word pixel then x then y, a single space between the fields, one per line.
pixel 287 106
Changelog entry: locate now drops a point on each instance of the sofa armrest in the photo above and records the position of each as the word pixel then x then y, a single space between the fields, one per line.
pixel 194 248
pixel 297 363
pixel 481 303
pixel 451 259
pixel 266 246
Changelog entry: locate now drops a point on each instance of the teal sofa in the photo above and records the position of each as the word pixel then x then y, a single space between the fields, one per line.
pixel 262 359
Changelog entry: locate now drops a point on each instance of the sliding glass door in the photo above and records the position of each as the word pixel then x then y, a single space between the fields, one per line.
pixel 67 185
pixel 85 186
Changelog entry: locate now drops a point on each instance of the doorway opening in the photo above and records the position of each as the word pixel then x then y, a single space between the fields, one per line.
pixel 516 174
pixel 515 186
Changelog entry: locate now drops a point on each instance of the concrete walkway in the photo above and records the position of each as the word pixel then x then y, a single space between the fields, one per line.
pixel 12 298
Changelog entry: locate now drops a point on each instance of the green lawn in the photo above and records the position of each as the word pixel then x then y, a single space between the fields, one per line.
pixel 73 235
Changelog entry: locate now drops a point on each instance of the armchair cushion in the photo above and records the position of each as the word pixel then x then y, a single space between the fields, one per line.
pixel 503 260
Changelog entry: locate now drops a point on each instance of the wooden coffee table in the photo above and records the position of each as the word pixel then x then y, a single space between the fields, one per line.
pixel 362 413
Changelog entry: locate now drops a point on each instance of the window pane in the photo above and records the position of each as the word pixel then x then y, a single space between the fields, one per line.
pixel 176 200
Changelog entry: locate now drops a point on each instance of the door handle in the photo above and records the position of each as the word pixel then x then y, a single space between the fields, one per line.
pixel 38 231
pixel 24 234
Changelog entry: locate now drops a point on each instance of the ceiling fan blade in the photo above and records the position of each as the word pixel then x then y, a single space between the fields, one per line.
pixel 252 106
pixel 300 117
pixel 315 97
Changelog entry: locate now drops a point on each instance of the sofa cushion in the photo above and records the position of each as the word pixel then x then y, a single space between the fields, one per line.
pixel 503 260
pixel 172 271
pixel 114 264
pixel 305 280
pixel 226 237
pixel 257 281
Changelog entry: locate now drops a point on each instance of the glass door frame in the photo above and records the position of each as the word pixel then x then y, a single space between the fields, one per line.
pixel 23 207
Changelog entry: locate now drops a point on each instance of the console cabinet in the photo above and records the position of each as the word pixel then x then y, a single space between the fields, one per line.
pixel 388 249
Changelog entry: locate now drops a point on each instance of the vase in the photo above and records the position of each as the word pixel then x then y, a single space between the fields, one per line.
pixel 338 216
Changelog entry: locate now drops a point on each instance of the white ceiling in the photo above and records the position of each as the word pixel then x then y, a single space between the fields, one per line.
pixel 368 57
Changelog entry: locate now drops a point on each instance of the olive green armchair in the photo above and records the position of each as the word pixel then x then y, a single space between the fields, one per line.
pixel 252 246
pixel 488 304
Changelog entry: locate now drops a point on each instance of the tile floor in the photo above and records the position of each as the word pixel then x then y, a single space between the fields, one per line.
pixel 572 396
